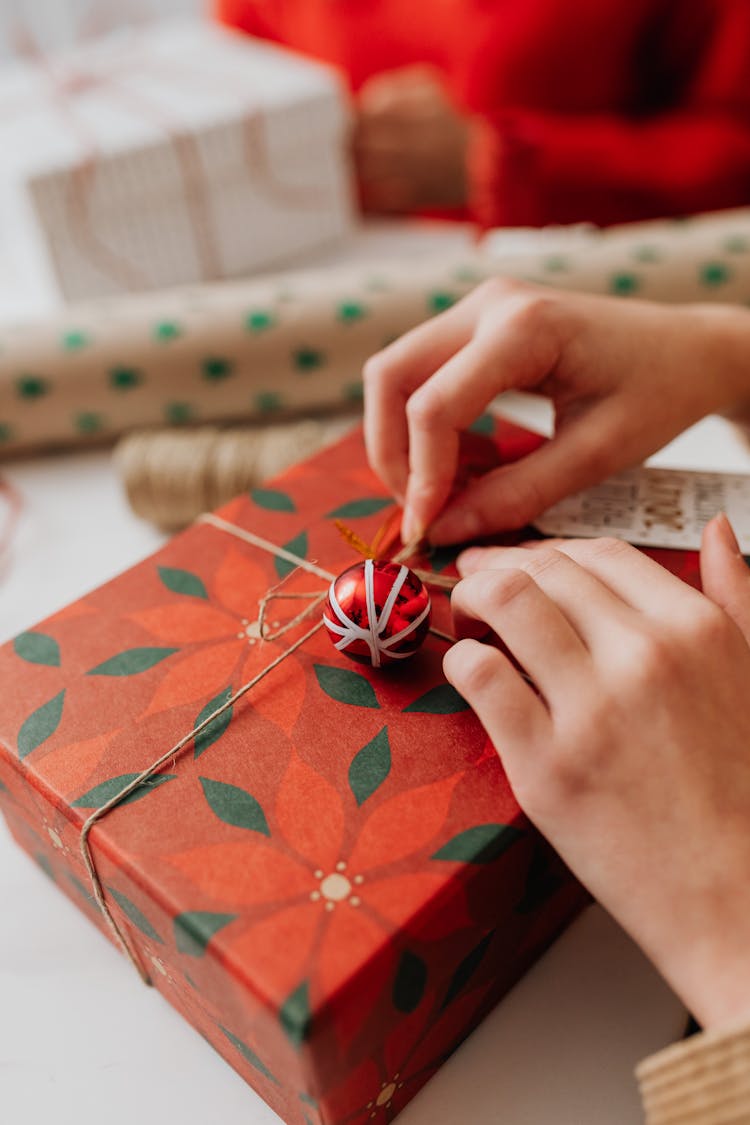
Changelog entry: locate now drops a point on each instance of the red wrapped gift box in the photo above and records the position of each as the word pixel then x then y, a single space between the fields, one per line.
pixel 333 881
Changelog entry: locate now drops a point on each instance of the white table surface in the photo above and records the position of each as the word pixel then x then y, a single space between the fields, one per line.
pixel 81 1041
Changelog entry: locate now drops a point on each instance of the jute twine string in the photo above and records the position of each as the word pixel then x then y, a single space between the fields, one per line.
pixel 315 599
pixel 171 476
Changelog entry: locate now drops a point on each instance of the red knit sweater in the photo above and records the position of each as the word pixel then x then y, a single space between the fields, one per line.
pixel 605 110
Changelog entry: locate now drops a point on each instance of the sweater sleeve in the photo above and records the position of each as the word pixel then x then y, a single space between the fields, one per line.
pixel 528 166
pixel 703 1081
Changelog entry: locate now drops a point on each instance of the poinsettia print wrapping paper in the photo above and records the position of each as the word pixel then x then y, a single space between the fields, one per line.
pixel 333 881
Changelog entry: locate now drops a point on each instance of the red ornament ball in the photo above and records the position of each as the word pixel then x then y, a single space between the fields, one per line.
pixel 377 612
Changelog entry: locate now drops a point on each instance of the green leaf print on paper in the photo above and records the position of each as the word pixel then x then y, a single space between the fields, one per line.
pixel 6 433
pixel 272 500
pixel 195 929
pixel 358 509
pixel 295 1016
pixel 32 386
pixel 83 891
pixel 466 969
pixel 37 648
pixel 167 330
pixel 268 402
pixel 556 263
pixel 215 729
pixel 178 413
pixel 296 546
pixel 623 284
pixel 88 422
pixel 248 1054
pixel 307 359
pixel 440 301
pixel 43 862
pixel 40 725
pixel 647 254
pixel 440 700
pixel 74 340
pixel 736 244
pixel 125 378
pixel 182 582
pixel 106 790
pixel 370 767
pixel 410 982
pixel 349 311
pixel 132 662
pixel 345 686
pixel 713 274
pixel 259 321
pixel 235 806
pixel 216 368
pixel 481 844
pixel 131 911
pixel 484 424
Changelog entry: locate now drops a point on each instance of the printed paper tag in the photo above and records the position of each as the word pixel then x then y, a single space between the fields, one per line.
pixel 654 508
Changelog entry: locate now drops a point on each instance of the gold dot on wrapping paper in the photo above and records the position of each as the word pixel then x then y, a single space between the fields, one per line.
pixel 258 321
pixel 125 378
pixel 178 412
pixel 167 330
pixel 349 311
pixel 386 1094
pixel 31 386
pixel 215 368
pixel 440 301
pixel 87 422
pixel 623 284
pixel 307 359
pixel 267 402
pixel 73 340
pixel 714 273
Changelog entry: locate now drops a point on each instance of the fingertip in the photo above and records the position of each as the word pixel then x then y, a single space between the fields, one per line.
pixel 469 561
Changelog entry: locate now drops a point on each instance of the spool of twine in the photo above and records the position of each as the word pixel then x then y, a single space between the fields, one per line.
pixel 172 476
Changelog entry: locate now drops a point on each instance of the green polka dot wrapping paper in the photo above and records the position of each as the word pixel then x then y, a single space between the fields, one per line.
pixel 169 153
pixel 333 882
pixel 296 341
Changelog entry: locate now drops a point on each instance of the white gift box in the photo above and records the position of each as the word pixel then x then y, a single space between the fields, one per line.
pixel 172 153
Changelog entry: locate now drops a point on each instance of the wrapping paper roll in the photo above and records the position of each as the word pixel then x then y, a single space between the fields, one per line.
pixel 296 342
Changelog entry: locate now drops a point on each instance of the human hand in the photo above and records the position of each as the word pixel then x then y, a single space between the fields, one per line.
pixel 634 758
pixel 625 377
pixel 409 142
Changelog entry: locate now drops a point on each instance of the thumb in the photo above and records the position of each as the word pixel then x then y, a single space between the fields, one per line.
pixel 724 572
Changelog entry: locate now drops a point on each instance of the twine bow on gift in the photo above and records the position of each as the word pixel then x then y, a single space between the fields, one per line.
pixel 314 601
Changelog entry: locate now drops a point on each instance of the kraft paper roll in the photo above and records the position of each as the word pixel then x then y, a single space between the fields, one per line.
pixel 294 343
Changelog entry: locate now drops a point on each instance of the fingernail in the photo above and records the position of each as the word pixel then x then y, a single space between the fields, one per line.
pixel 455 526
pixel 411 528
pixel 727 533
pixel 469 561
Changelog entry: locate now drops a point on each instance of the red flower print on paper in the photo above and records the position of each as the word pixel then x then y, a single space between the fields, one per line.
pixel 319 902
pixel 219 632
